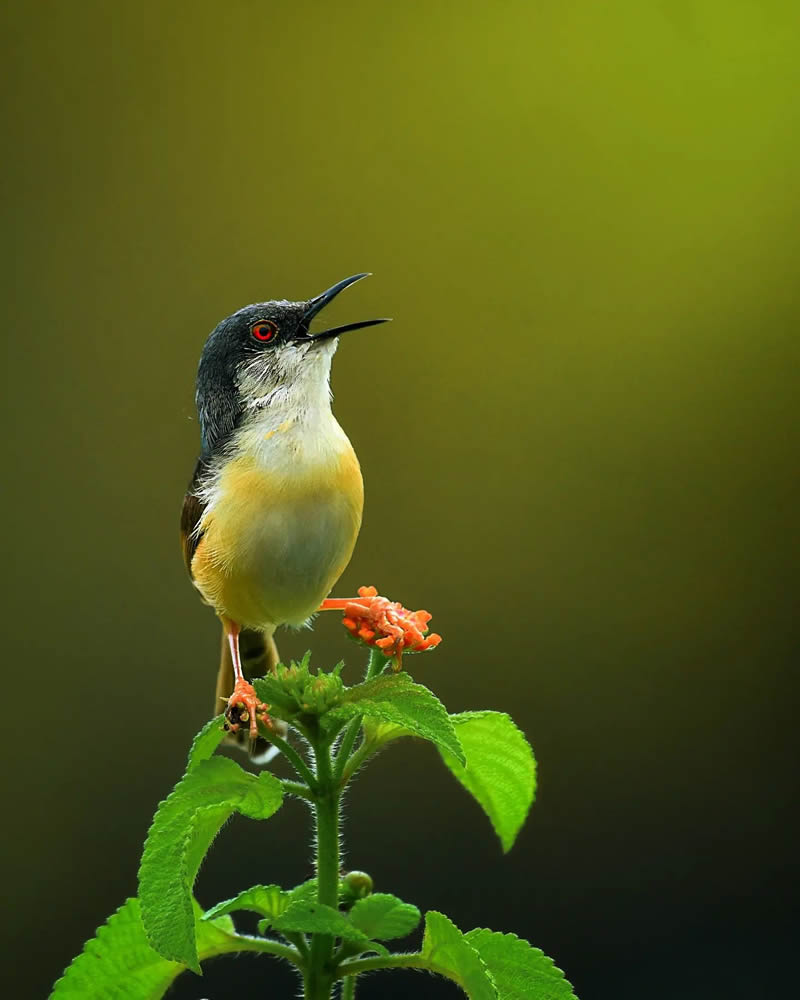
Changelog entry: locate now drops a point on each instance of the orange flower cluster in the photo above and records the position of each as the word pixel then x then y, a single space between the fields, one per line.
pixel 377 621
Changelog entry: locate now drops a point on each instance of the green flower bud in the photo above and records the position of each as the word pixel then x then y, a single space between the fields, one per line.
pixel 302 692
pixel 358 884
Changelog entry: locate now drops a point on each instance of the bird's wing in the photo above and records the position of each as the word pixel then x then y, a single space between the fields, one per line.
pixel 192 512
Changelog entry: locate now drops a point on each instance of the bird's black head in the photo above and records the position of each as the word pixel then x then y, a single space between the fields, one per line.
pixel 260 352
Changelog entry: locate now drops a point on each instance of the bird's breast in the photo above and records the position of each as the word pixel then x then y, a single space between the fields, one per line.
pixel 280 524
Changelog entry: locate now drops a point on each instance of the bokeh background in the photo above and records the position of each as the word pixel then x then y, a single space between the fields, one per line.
pixel 579 440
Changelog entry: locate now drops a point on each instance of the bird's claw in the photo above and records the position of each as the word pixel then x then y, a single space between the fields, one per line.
pixel 244 708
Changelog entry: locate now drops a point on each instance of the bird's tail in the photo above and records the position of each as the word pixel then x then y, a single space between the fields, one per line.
pixel 259 654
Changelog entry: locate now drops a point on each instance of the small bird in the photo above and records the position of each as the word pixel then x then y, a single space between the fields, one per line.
pixel 273 510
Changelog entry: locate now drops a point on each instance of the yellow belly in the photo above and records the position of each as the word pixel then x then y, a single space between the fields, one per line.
pixel 273 546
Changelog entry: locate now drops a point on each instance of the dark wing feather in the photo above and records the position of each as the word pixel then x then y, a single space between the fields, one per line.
pixel 192 512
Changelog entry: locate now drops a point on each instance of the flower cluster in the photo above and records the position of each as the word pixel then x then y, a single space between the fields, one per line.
pixel 387 625
pixel 307 692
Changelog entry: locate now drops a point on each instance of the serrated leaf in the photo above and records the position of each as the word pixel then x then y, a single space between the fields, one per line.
pixel 183 829
pixel 500 771
pixel 396 698
pixel 119 964
pixel 520 971
pixel 306 891
pixel 316 918
pixel 384 916
pixel 266 900
pixel 206 742
pixel 446 951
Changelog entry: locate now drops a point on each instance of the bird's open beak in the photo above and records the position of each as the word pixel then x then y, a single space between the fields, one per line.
pixel 319 302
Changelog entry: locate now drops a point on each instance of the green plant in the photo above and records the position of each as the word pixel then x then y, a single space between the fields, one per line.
pixel 332 928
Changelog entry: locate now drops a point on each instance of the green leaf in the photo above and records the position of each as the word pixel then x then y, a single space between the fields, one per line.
pixel 316 918
pixel 307 891
pixel 384 917
pixel 500 771
pixel 520 972
pixel 183 829
pixel 206 742
pixel 266 900
pixel 380 733
pixel 395 698
pixel 119 964
pixel 445 950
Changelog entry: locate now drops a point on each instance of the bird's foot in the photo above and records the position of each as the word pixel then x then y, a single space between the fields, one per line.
pixel 244 708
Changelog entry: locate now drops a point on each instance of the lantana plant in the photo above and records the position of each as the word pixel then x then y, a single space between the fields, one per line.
pixel 332 929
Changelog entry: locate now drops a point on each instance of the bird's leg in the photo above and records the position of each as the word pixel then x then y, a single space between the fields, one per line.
pixel 367 596
pixel 336 603
pixel 243 704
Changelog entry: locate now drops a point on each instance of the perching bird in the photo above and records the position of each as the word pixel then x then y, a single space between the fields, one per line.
pixel 273 510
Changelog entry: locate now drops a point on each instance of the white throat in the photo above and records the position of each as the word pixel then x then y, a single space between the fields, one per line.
pixel 292 424
pixel 296 384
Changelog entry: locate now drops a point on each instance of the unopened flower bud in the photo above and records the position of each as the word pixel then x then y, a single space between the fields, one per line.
pixel 358 884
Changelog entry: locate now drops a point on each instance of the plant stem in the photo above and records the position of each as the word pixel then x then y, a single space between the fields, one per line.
pixel 319 977
pixel 325 785
pixel 327 832
pixel 377 661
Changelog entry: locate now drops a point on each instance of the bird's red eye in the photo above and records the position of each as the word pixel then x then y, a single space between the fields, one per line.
pixel 264 331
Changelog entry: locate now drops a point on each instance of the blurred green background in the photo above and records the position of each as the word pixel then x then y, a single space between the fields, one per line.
pixel 578 438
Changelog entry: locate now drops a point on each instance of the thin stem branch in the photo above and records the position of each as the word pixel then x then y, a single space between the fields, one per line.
pixel 405 961
pixel 299 941
pixel 346 747
pixel 375 665
pixel 351 766
pixel 349 988
pixel 377 661
pixel 294 759
pixel 269 946
pixel 297 788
